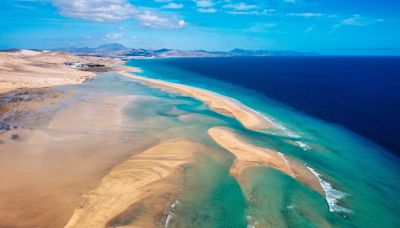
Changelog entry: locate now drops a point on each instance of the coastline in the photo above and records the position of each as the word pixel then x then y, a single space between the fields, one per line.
pixel 248 117
pixel 144 207
pixel 248 155
pixel 221 104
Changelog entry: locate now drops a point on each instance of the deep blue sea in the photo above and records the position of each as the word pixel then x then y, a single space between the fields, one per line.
pixel 359 93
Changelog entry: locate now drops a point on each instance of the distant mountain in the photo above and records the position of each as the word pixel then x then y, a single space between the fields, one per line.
pixel 112 47
pixel 118 50
pixel 165 53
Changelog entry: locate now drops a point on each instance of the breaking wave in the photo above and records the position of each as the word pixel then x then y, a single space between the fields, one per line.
pixel 332 195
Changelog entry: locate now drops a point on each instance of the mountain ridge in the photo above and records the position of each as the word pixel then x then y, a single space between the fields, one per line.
pixel 119 50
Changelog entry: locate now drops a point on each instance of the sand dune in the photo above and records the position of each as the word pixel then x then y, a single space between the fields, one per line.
pixel 248 155
pixel 219 103
pixel 36 69
pixel 132 181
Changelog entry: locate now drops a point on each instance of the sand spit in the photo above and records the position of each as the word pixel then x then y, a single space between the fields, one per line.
pixel 36 69
pixel 248 155
pixel 219 103
pixel 132 181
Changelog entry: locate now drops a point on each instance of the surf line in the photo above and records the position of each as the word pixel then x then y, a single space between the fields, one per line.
pixel 332 195
pixel 248 117
pixel 237 109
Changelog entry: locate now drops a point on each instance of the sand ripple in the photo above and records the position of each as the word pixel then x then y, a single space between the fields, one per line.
pixel 131 181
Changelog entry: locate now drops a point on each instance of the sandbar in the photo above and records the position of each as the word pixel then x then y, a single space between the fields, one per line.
pixel 132 181
pixel 248 155
pixel 224 105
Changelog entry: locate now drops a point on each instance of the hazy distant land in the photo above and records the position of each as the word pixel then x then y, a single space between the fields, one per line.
pixel 115 49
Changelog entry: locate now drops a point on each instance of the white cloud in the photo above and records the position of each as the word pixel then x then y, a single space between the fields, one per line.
pixel 308 14
pixel 182 23
pixel 204 3
pixel 135 38
pixel 264 12
pixel 112 36
pixel 309 29
pixel 207 10
pixel 173 5
pixel 356 20
pixel 96 10
pixel 149 19
pixel 205 6
pixel 115 10
pixel 240 6
pixel 261 27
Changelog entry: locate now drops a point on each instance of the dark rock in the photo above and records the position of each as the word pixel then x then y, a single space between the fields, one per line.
pixel 15 137
pixel 4 126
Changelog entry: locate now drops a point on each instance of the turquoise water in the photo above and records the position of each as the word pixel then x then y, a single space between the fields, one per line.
pixel 361 178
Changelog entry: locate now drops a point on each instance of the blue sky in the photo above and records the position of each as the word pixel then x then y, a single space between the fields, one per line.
pixel 324 26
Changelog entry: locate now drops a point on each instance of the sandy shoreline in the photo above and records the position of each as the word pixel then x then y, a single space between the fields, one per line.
pixel 219 103
pixel 248 155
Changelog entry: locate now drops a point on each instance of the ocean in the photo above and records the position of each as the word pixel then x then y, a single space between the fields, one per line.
pixel 310 100
pixel 358 93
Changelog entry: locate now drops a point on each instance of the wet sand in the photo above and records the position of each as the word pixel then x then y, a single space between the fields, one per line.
pixel 248 155
pixel 219 103
pixel 45 171
pixel 133 180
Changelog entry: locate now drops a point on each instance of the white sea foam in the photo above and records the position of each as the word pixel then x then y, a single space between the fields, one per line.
pixel 171 213
pixel 251 223
pixel 274 123
pixel 286 131
pixel 283 157
pixel 291 134
pixel 332 195
pixel 291 206
pixel 303 145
